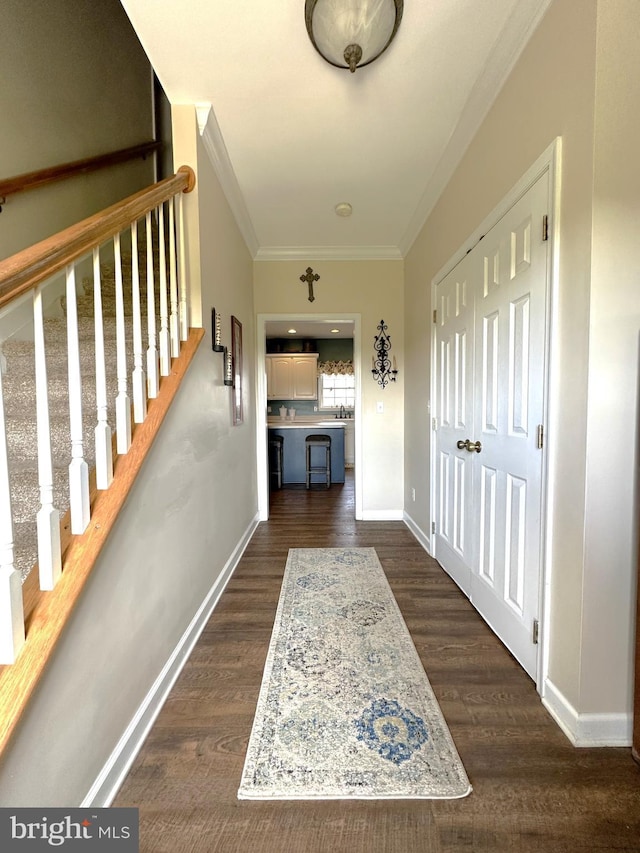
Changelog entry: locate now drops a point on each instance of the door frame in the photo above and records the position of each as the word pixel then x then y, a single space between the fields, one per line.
pixel 261 403
pixel 549 161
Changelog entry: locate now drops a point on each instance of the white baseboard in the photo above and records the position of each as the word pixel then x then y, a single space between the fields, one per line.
pixel 586 729
pixel 417 531
pixel 381 515
pixel 110 778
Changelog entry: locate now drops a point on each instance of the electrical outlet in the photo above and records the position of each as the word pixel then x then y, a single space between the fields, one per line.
pixel 379 407
pixel 413 494
pixel 315 408
pixel 268 410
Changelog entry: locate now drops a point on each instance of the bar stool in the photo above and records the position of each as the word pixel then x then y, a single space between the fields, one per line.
pixel 320 441
pixel 276 443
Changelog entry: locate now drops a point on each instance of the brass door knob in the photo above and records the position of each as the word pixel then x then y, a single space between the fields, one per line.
pixel 469 445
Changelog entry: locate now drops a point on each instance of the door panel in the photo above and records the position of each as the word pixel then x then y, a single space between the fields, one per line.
pixel 454 343
pixel 496 505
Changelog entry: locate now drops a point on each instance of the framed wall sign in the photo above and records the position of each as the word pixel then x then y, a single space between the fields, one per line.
pixel 236 357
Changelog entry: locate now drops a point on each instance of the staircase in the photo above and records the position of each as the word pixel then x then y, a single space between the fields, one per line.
pixel 20 398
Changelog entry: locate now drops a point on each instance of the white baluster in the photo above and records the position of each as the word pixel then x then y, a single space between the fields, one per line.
pixel 104 450
pixel 153 379
pixel 137 379
pixel 165 348
pixel 48 517
pixel 11 606
pixel 78 469
pixel 182 254
pixel 174 327
pixel 123 404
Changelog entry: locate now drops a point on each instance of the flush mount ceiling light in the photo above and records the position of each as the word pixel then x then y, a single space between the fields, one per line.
pixel 291 331
pixel 352 33
pixel 343 209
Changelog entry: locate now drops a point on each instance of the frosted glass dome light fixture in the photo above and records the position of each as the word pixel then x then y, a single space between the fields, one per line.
pixel 352 33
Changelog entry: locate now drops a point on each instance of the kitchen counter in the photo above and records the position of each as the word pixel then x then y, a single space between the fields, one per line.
pixel 307 423
pixel 294 434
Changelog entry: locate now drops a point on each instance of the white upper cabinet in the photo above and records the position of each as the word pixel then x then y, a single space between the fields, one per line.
pixel 292 377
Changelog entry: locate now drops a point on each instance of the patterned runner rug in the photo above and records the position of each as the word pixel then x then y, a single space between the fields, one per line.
pixel 345 709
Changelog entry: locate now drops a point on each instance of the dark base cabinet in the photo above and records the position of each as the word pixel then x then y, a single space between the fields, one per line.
pixel 294 456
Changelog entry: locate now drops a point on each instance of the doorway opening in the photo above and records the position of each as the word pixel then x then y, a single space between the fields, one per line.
pixel 312 402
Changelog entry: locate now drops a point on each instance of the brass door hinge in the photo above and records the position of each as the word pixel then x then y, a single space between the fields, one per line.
pixel 435 316
pixel 545 228
pixel 433 527
pixel 535 632
pixel 540 437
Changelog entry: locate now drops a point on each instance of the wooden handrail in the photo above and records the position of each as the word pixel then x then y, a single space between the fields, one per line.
pixel 24 270
pixel 41 177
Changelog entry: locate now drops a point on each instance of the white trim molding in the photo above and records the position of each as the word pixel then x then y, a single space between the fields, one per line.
pixel 329 253
pixel 382 514
pixel 587 730
pixel 423 538
pixel 217 151
pixel 110 778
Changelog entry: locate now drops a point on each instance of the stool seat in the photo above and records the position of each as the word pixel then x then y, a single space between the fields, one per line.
pixel 321 442
pixel 276 447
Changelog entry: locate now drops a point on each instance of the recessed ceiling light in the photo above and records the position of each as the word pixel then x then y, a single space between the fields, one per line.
pixel 291 331
pixel 335 331
pixel 343 209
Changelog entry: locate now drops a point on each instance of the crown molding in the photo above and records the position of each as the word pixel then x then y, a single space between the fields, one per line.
pixel 506 51
pixel 328 253
pixel 217 151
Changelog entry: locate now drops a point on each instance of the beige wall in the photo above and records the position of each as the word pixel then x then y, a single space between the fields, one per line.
pixel 75 83
pixel 614 332
pixel 373 289
pixel 179 535
pixel 221 275
pixel 553 91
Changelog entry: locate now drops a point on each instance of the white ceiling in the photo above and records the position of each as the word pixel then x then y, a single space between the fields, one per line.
pixel 316 329
pixel 291 136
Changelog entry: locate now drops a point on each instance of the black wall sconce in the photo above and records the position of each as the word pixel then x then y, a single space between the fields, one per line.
pixel 216 345
pixel 383 369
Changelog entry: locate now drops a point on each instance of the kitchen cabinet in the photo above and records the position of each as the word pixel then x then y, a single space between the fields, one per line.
pixel 349 444
pixel 292 377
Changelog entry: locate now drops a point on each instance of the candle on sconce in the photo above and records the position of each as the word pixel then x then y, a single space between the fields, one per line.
pixel 373 363
pixel 394 363
pixel 218 331
pixel 228 371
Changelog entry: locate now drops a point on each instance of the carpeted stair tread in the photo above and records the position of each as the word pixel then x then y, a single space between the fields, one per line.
pixel 25 494
pixel 20 396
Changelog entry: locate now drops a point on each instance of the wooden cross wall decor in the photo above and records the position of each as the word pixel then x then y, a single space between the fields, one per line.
pixel 310 277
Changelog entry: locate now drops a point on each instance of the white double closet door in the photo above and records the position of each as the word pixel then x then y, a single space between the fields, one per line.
pixel 490 391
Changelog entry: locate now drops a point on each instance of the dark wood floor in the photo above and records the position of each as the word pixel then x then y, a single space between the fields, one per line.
pixel 532 790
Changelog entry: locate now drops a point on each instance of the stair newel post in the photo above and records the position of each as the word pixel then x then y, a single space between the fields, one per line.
pixel 182 278
pixel 123 404
pixel 11 605
pixel 174 330
pixel 47 517
pixel 78 468
pixel 165 347
pixel 138 381
pixel 104 452
pixel 152 350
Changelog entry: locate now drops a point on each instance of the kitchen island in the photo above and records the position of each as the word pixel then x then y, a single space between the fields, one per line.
pixel 294 434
